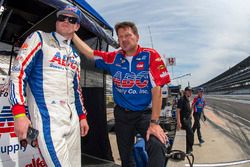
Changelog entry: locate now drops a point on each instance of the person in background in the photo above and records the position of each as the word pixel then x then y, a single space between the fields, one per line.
pixel 46 76
pixel 138 74
pixel 184 113
pixel 198 105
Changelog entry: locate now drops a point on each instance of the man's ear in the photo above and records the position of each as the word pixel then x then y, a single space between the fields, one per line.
pixel 77 26
pixel 138 37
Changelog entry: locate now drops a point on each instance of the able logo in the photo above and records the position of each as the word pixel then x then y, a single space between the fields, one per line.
pixel 37 163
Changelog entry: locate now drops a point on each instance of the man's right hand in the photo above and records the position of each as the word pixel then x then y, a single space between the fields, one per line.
pixel 179 125
pixel 21 126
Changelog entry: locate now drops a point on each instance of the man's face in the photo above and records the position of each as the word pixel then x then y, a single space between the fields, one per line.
pixel 127 39
pixel 64 27
pixel 189 93
pixel 200 93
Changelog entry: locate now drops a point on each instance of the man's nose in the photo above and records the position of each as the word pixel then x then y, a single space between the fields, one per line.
pixel 122 38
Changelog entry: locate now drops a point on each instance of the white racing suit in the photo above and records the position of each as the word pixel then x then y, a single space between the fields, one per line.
pixel 51 69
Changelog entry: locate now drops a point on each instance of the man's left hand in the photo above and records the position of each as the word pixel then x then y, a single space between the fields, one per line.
pixel 84 127
pixel 158 132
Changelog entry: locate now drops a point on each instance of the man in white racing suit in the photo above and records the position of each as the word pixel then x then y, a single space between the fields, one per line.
pixel 46 76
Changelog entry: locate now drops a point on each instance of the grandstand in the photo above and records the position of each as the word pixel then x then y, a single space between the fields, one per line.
pixel 236 80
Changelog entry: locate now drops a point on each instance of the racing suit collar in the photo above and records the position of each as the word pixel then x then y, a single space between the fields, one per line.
pixel 137 51
pixel 60 39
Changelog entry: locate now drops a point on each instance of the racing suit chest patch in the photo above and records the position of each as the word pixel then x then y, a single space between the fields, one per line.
pixel 61 59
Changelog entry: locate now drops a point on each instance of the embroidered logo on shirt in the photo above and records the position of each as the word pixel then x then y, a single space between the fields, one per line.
pixel 163 74
pixel 158 59
pixel 122 61
pixel 161 67
pixel 140 66
pixel 24 46
pixel 144 57
pixel 130 80
pixel 59 61
pixel 53 43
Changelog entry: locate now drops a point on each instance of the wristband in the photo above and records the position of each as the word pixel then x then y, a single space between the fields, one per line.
pixel 156 122
pixel 19 115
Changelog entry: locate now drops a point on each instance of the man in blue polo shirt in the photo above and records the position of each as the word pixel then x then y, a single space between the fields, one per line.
pixel 138 74
pixel 198 105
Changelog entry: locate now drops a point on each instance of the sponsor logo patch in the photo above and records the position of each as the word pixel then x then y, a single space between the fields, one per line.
pixel 59 61
pixel 163 74
pixel 24 46
pixel 131 79
pixel 53 43
pixel 161 67
pixel 144 57
pixel 158 59
pixel 36 163
pixel 122 61
pixel 140 66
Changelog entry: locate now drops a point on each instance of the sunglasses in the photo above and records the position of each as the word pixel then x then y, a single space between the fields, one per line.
pixel 71 20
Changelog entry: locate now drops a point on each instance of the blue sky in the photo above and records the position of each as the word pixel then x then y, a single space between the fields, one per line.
pixel 206 37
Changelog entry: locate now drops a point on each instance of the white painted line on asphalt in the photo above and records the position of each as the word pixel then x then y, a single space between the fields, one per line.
pixel 234 115
pixel 221 164
pixel 231 100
